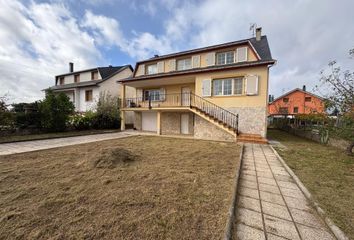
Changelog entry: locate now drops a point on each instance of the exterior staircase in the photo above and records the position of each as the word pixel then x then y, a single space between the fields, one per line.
pixel 222 118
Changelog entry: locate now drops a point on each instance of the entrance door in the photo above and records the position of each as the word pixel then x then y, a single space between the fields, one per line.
pixel 186 96
pixel 149 121
pixel 185 123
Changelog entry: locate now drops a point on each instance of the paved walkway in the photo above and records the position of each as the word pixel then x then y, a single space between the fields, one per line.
pixel 28 146
pixel 270 204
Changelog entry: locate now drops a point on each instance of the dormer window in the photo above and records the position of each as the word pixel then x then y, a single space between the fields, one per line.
pixel 184 64
pixel 94 75
pixel 225 58
pixel 77 78
pixel 151 69
pixel 61 80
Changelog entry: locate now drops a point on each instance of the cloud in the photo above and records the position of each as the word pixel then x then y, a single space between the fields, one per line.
pixel 36 43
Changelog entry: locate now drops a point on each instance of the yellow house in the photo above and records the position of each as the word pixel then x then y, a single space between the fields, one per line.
pixel 217 92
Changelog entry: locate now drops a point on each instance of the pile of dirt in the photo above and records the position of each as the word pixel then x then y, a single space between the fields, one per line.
pixel 111 158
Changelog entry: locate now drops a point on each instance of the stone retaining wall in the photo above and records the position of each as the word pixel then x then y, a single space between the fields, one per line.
pixel 252 120
pixel 206 130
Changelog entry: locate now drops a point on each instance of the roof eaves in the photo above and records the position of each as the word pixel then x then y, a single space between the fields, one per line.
pixel 200 70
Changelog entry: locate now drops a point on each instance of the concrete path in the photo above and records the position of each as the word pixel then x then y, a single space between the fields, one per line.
pixel 28 146
pixel 270 205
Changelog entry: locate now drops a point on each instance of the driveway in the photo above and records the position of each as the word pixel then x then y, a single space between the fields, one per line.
pixel 28 146
pixel 270 204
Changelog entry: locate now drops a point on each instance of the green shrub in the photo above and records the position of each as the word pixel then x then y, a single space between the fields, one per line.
pixel 107 112
pixel 55 111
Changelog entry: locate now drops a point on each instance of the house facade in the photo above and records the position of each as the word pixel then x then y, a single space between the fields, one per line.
pixel 215 92
pixel 297 101
pixel 84 87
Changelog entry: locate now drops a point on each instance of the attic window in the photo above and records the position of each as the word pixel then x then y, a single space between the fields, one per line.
pixel 77 78
pixel 285 99
pixel 94 75
pixel 151 69
pixel 307 99
pixel 225 58
pixel 61 80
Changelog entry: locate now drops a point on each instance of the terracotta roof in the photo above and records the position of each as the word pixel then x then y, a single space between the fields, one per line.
pixel 294 90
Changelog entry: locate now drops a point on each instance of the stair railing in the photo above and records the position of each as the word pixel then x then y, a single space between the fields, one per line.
pixel 215 111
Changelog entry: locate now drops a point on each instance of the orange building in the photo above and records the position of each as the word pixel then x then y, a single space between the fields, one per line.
pixel 297 101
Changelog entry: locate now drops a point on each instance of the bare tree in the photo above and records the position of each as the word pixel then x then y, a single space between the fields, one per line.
pixel 340 86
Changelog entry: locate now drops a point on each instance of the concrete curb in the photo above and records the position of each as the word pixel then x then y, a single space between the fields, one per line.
pixel 231 213
pixel 339 234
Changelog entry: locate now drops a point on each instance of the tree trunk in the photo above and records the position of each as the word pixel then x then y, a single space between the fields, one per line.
pixel 350 148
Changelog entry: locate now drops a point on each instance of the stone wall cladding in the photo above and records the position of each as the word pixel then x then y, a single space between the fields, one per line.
pixel 171 122
pixel 252 120
pixel 206 130
pixel 137 121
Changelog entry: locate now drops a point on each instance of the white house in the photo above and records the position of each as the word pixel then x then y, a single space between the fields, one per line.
pixel 85 86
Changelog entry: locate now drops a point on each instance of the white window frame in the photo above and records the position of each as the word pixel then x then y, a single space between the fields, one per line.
pixel 225 57
pixel 154 96
pixel 232 86
pixel 183 65
pixel 151 71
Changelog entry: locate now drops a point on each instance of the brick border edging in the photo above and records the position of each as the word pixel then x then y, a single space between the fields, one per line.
pixel 231 213
pixel 339 234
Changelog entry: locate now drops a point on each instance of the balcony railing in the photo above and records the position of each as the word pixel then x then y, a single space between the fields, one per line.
pixel 188 100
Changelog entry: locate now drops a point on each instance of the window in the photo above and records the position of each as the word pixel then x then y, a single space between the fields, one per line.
pixel 88 95
pixel 61 80
pixel 155 95
pixel 238 86
pixel 184 64
pixel 151 69
pixel 307 99
pixel 283 110
pixel 77 78
pixel 296 109
pixel 226 87
pixel 225 58
pixel 94 75
pixel 285 99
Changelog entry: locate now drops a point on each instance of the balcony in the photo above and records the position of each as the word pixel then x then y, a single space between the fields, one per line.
pixel 176 100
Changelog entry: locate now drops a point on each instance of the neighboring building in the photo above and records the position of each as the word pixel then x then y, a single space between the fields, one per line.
pixel 84 87
pixel 211 93
pixel 297 101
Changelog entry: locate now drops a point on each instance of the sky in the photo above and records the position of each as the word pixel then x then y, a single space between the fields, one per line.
pixel 39 38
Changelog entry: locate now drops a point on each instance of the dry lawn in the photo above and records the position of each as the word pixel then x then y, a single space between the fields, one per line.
pixel 131 188
pixel 326 171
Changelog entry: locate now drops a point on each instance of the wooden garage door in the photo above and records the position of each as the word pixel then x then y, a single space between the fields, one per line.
pixel 149 121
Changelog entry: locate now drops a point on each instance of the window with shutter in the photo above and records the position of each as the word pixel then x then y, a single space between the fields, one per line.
pixel 206 88
pixel 252 85
pixel 241 54
pixel 184 64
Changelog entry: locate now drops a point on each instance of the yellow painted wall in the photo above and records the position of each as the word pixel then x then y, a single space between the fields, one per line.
pixel 259 100
pixel 250 55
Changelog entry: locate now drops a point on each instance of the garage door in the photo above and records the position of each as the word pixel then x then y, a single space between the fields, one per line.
pixel 149 121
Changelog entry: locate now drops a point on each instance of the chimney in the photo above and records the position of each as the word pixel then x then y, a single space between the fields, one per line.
pixel 258 33
pixel 304 88
pixel 71 67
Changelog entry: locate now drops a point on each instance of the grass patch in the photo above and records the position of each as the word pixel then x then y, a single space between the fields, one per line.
pixel 17 138
pixel 141 187
pixel 326 171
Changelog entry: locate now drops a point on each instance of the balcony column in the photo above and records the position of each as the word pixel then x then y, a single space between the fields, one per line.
pixel 122 113
pixel 158 122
